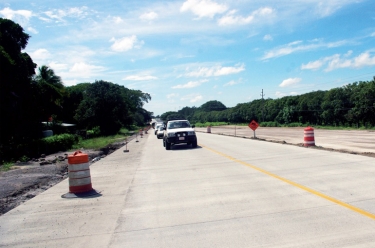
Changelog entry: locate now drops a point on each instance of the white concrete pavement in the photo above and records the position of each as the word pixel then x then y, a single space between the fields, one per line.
pixel 229 192
pixel 359 141
pixel 51 221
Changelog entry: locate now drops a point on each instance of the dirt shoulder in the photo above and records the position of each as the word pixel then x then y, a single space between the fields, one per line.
pixel 26 180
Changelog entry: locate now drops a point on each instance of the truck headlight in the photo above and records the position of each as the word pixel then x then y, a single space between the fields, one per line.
pixel 171 134
pixel 191 133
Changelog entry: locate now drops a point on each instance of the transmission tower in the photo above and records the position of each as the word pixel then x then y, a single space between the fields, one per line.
pixel 262 95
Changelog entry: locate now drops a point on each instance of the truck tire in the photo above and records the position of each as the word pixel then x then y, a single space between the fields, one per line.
pixel 167 146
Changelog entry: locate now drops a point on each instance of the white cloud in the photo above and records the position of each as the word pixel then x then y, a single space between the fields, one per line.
pixel 203 8
pixel 40 54
pixel 279 94
pixel 196 99
pixel 350 52
pixel 363 60
pixel 214 40
pixel 216 71
pixel 336 62
pixel 11 14
pixel 139 78
pixel 313 65
pixel 293 93
pixel 21 17
pixel 126 43
pixel 58 66
pixel 231 19
pixel 84 70
pixel 298 46
pixel 267 37
pixel 327 8
pixel 232 82
pixel 149 16
pixel 191 84
pixel 172 95
pixel 32 30
pixel 58 15
pixel 192 98
pixel 72 74
pixel 289 82
pixel 229 70
pixel 117 20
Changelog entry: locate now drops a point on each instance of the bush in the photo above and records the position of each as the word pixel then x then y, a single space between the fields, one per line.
pixel 269 124
pixel 295 124
pixel 95 132
pixel 212 124
pixel 56 143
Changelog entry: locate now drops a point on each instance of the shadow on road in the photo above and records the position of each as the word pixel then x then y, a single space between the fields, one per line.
pixel 180 147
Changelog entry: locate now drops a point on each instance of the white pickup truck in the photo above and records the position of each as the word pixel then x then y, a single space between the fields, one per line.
pixel 179 132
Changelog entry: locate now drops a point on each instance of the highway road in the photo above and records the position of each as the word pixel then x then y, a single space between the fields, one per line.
pixel 228 192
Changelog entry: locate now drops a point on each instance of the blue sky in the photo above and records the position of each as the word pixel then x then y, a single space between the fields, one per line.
pixel 188 52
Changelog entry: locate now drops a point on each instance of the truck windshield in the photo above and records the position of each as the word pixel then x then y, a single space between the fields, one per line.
pixel 178 124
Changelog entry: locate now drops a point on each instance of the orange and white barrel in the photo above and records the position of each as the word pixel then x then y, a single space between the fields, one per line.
pixel 79 173
pixel 309 139
pixel 209 129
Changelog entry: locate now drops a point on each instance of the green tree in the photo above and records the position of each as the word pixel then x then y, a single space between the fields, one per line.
pixel 187 112
pixel 49 90
pixel 71 100
pixel 335 106
pixel 102 106
pixel 362 99
pixel 171 115
pixel 347 105
pixel 134 100
pixel 213 106
pixel 18 122
pixel 111 106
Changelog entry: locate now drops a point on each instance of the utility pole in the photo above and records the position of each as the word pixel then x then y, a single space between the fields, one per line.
pixel 262 95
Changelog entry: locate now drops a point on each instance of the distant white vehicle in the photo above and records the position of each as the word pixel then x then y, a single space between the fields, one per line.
pixel 157 125
pixel 156 121
pixel 160 132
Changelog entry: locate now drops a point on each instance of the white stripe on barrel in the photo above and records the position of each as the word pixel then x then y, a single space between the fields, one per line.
pixel 309 139
pixel 79 173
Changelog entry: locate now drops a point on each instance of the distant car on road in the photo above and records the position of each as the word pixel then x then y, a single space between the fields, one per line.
pixel 157 127
pixel 160 132
pixel 179 132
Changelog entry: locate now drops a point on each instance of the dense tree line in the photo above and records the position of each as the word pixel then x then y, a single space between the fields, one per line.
pixel 107 105
pixel 27 99
pixel 350 105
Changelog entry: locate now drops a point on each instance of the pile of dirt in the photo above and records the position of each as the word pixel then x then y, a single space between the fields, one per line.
pixel 28 179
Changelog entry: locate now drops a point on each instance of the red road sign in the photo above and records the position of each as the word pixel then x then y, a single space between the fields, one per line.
pixel 253 125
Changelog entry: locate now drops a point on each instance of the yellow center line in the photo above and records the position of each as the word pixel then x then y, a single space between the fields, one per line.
pixel 341 203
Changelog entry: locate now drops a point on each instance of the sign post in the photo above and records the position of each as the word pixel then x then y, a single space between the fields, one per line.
pixel 253 125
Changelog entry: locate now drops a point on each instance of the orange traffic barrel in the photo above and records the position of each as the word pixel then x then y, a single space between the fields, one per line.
pixel 208 129
pixel 308 138
pixel 79 173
